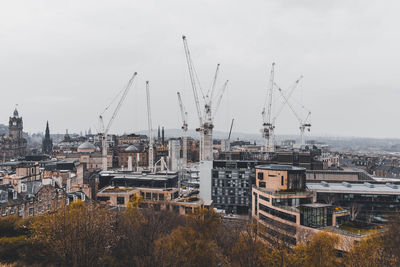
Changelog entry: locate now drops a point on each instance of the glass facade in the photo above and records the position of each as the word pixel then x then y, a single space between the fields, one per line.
pixel 316 216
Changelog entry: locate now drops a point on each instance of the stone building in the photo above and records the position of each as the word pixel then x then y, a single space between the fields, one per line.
pixel 13 145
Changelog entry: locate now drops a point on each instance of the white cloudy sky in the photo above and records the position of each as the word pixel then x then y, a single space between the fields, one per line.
pixel 63 61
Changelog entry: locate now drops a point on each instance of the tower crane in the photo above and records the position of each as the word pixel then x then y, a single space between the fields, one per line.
pixel 184 128
pixel 304 123
pixel 151 148
pixel 268 126
pixel 206 118
pixel 105 130
pixel 269 121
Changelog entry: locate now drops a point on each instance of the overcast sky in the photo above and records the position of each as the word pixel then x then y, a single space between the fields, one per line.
pixel 64 61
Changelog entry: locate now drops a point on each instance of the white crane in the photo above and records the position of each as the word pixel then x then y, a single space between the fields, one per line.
pixel 184 129
pixel 206 119
pixel 268 126
pixel 269 123
pixel 105 130
pixel 151 148
pixel 304 123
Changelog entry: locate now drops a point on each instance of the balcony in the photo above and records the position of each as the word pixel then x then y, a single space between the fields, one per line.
pixel 286 193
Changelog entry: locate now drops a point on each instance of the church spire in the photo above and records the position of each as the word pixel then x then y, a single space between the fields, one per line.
pixel 47 134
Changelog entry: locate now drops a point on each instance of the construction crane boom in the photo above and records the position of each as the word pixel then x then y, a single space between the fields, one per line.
pixel 213 84
pixel 220 96
pixel 114 115
pixel 291 90
pixel 303 123
pixel 128 86
pixel 151 151
pixel 192 78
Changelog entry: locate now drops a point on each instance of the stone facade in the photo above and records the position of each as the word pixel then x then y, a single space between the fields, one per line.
pixel 13 145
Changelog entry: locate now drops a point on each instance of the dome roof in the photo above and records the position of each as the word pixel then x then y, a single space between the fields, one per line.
pixel 132 148
pixel 86 145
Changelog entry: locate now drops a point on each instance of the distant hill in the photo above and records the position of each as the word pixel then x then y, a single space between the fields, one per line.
pixel 343 144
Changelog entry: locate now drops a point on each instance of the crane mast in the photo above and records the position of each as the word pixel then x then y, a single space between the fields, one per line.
pixel 105 130
pixel 184 129
pixel 268 127
pixel 151 148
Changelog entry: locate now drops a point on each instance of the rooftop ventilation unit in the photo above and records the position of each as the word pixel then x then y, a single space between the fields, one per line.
pixel 346 184
pixel 393 186
pixel 324 184
pixel 369 185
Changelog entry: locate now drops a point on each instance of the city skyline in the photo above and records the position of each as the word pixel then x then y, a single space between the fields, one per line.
pixel 65 62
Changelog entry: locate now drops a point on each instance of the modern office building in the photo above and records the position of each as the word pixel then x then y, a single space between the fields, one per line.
pixel 231 185
pixel 371 201
pixel 286 210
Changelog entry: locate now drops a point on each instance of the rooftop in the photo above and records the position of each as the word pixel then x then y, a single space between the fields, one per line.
pixel 343 187
pixel 279 167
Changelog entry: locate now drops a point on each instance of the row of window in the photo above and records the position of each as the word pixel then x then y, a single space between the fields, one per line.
pixel 230 192
pixel 230 183
pixel 230 174
pixel 11 210
pixel 231 200
pixel 283 226
pixel 277 213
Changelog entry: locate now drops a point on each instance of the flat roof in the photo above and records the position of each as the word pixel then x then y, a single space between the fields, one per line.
pixel 345 187
pixel 316 205
pixel 280 167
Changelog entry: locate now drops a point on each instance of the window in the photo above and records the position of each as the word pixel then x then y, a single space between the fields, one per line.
pixel 120 200
pixel 48 207
pixel 155 197
pixel 19 208
pixel 4 211
pixel 260 175
pixel 264 198
pixel 40 209
pixel 262 184
pixel 12 210
pixel 282 180
pixel 31 211
pixel 161 196
pixel 40 198
pixel 148 195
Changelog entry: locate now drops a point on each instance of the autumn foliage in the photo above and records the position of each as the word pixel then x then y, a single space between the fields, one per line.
pixel 90 235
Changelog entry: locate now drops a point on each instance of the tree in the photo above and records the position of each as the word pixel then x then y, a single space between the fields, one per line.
pixel 249 250
pixel 367 253
pixel 193 244
pixel 355 209
pixel 321 251
pixel 76 235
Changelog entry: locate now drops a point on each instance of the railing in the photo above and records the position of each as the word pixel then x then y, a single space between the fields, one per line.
pixel 285 193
